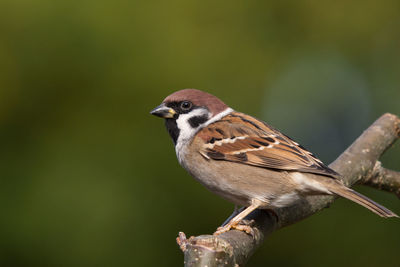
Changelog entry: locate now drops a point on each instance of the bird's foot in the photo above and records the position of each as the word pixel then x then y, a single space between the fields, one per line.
pixel 244 226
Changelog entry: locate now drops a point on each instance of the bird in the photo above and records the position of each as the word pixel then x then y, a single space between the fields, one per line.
pixel 245 160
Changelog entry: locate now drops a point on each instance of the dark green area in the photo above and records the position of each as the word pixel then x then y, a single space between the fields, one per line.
pixel 89 178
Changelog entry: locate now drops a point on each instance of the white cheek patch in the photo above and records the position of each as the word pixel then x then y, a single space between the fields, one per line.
pixel 186 130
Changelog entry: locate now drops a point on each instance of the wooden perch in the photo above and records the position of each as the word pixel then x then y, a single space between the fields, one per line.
pixel 358 164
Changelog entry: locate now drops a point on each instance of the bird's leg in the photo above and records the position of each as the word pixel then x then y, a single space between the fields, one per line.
pixel 235 212
pixel 233 223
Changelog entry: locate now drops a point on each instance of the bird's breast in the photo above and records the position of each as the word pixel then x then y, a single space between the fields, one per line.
pixel 236 182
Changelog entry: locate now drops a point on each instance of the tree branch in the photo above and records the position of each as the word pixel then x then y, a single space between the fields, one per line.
pixel 359 163
pixel 384 179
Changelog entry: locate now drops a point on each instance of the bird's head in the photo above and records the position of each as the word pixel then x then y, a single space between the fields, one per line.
pixel 186 111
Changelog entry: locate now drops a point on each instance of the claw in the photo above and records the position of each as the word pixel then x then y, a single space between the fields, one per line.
pixel 240 226
pixel 244 228
pixel 223 229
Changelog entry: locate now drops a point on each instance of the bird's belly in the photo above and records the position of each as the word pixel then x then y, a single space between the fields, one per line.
pixel 240 183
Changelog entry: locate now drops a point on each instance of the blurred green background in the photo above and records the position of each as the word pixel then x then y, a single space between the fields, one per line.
pixel 89 178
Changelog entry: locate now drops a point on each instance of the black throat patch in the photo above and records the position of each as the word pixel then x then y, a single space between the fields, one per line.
pixel 173 129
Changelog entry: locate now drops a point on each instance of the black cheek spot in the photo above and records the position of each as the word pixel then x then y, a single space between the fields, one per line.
pixel 197 120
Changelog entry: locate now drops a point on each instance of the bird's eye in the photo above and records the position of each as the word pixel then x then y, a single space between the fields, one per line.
pixel 186 105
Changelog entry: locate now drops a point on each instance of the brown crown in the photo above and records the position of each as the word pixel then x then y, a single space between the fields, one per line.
pixel 198 98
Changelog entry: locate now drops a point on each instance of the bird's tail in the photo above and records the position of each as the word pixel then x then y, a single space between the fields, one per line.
pixel 363 201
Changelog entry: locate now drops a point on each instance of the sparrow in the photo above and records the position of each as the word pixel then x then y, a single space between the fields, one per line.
pixel 245 160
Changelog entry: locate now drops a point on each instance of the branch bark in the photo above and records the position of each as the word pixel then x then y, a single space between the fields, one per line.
pixel 357 164
pixel 384 179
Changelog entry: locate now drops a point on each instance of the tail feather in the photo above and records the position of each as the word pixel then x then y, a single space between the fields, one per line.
pixel 363 201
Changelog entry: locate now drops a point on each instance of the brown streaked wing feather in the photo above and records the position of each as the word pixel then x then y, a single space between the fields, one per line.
pixel 244 139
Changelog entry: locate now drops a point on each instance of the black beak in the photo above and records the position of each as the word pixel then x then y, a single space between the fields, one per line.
pixel 163 111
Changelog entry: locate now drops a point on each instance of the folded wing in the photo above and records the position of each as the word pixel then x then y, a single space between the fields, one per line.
pixel 243 139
